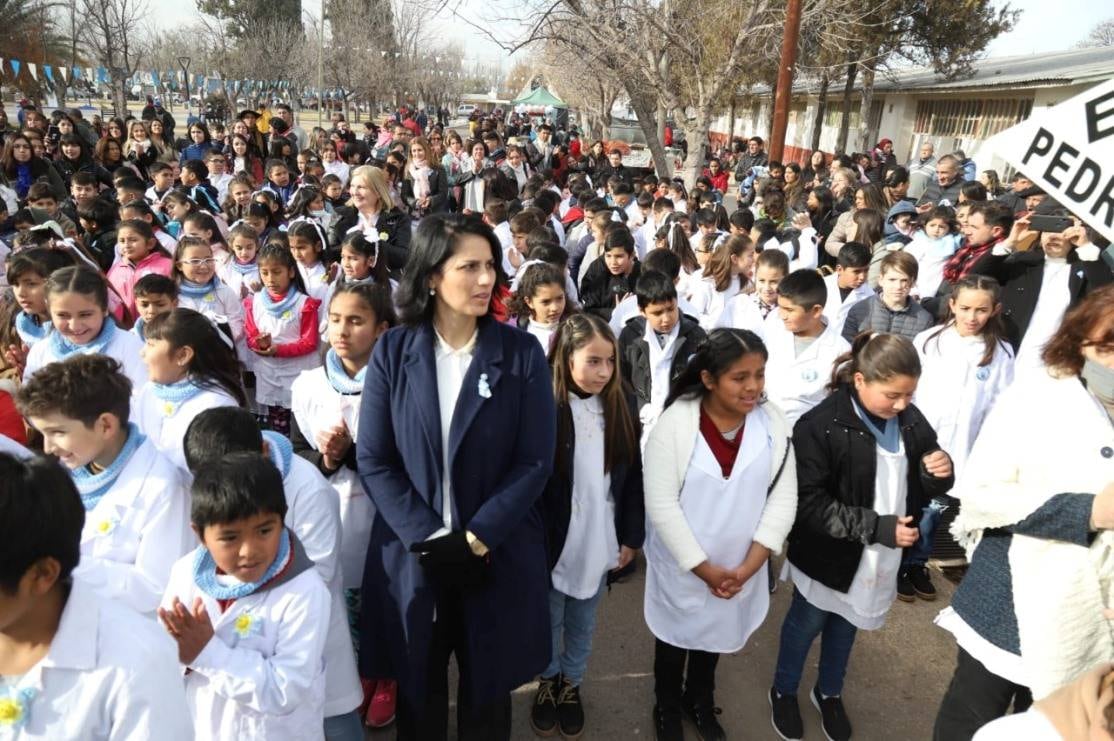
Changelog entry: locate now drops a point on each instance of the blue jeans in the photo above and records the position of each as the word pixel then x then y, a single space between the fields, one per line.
pixel 345 727
pixel 802 624
pixel 575 621
pixel 919 553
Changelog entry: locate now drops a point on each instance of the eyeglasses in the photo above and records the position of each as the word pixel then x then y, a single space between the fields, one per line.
pixel 196 262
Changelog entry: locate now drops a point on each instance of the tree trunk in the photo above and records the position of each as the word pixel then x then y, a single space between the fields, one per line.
pixel 644 112
pixel 845 121
pixel 119 92
pixel 604 122
pixel 696 134
pixel 821 111
pixel 731 122
pixel 865 134
pixel 660 123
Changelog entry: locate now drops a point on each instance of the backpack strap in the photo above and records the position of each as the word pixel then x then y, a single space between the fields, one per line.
pixel 780 468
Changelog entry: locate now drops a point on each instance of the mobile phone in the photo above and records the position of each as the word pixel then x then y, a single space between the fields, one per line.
pixel 1053 224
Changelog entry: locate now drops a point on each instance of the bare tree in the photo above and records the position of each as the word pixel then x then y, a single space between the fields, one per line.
pixel 112 33
pixel 1101 35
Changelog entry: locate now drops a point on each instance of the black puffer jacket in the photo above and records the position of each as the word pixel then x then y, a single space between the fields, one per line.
pixel 395 223
pixel 626 490
pixel 836 468
pixel 636 354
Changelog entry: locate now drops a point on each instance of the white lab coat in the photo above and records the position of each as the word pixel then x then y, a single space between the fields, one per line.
pixel 124 349
pixel 165 424
pixel 274 375
pixel 742 312
pixel 223 306
pixel 835 309
pixel 138 529
pixel 798 383
pixel 709 303
pixel 954 393
pixel 264 682
pixel 108 674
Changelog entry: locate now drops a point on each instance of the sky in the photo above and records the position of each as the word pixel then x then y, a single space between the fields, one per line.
pixel 1043 26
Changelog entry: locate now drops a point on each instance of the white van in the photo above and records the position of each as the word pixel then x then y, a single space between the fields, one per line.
pixel 464 110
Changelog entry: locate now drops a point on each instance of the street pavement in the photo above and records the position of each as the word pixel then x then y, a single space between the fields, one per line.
pixel 895 681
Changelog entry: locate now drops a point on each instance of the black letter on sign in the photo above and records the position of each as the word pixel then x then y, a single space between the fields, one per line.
pixel 1086 167
pixel 1095 117
pixel 1042 145
pixel 1106 198
pixel 1058 163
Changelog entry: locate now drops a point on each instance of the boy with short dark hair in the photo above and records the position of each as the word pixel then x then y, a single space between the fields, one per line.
pixel 803 348
pixel 162 180
pixel 195 181
pixel 246 609
pixel 892 310
pixel 155 295
pixel 278 181
pixel 656 345
pixel 312 514
pixel 847 286
pixel 73 663
pixel 98 226
pixel 137 509
pixel 612 275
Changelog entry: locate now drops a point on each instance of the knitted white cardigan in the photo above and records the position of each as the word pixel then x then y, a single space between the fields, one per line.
pixel 666 460
pixel 1045 436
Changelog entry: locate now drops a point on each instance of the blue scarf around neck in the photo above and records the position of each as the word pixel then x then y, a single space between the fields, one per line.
pixel 204 291
pixel 29 329
pixel 888 436
pixel 280 308
pixel 63 348
pixel 339 378
pixel 205 572
pixel 174 395
pixel 243 268
pixel 93 486
pixel 282 452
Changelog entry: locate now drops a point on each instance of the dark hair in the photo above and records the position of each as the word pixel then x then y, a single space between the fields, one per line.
pixel 41 516
pixel 618 236
pixel 620 430
pixel 377 297
pixel 1064 352
pixel 39 191
pixel 301 200
pixel 879 357
pixel 216 432
pixel 994 214
pixel 654 287
pixel 945 214
pixel 677 243
pixel 742 219
pixel 825 198
pixel 214 364
pixel 358 243
pixel 310 231
pixel 205 221
pixel 718 352
pixel 869 223
pixel 773 259
pixel 282 255
pixel 434 242
pixel 79 279
pixel 234 487
pixel 133 184
pixel 663 261
pixel 805 288
pixel 100 212
pixel 42 261
pixel 994 331
pixel 533 278
pixel 154 284
pixel 853 255
pixel 549 252
pixel 973 190
pixel 196 168
pixel 546 201
pixel 83 177
pixel 82 387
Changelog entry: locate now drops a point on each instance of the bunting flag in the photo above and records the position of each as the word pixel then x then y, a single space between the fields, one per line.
pixel 49 72
pixel 65 73
pixel 102 75
pixel 34 70
pixel 77 73
pixel 89 74
pixel 15 68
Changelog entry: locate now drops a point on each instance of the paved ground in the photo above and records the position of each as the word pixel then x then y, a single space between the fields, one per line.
pixel 896 678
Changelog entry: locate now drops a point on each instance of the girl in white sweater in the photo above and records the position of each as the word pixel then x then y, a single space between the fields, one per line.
pixel 721 496
pixel 201 289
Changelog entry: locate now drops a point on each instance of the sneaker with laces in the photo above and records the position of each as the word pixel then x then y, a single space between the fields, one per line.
pixel 667 724
pixel 922 583
pixel 833 717
pixel 905 591
pixel 703 716
pixel 785 714
pixel 543 715
pixel 381 710
pixel 570 713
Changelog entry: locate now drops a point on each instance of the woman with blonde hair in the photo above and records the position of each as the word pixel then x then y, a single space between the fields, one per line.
pixel 370 211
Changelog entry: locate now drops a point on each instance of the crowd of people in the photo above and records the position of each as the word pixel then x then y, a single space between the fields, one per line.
pixel 289 419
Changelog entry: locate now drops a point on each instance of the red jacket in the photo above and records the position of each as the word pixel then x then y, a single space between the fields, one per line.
pixel 719 181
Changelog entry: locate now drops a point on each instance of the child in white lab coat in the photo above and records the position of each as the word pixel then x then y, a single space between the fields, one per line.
pixel 201 289
pixel 245 609
pixel 313 516
pixel 137 510
pixel 721 493
pixel 72 664
pixel 803 344
pixel 847 286
pixel 725 275
pixel 754 311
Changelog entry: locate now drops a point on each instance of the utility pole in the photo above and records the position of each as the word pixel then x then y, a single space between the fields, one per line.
pixel 320 65
pixel 184 63
pixel 785 79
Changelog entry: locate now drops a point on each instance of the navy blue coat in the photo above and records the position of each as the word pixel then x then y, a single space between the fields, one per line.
pixel 501 455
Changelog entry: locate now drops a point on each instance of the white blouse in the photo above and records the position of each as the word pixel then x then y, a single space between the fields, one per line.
pixel 452 365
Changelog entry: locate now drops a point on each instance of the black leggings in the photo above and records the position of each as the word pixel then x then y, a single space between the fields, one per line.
pixel 699 682
pixel 974 698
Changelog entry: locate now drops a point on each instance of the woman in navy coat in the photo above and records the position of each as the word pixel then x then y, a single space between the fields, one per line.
pixel 464 573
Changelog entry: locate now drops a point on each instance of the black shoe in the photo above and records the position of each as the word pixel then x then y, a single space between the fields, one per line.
pixel 570 713
pixel 703 716
pixel 785 715
pixel 543 716
pixel 905 591
pixel 922 583
pixel 833 718
pixel 667 724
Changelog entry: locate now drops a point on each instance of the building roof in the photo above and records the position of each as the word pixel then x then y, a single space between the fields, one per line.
pixel 1071 67
pixel 539 96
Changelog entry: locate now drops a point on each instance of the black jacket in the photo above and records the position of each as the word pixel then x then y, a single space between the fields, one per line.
pixel 599 288
pixel 626 489
pixel 936 195
pixel 635 353
pixel 836 468
pixel 395 223
pixel 606 171
pixel 438 192
pixel 1021 275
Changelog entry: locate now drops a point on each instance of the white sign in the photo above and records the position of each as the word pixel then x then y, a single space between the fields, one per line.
pixel 1068 150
